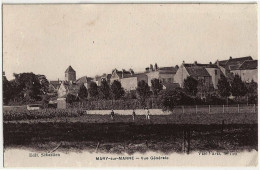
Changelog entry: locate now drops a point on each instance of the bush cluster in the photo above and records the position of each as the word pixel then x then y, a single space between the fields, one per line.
pixel 40 114
pixel 152 103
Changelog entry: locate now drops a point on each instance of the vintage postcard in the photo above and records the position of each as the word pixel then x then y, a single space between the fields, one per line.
pixel 139 85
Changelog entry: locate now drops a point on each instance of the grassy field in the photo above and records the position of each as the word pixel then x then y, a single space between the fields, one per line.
pixel 128 137
pixel 230 113
pixel 234 118
pixel 76 130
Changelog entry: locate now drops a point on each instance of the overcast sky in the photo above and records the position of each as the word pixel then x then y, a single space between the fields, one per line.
pixel 94 39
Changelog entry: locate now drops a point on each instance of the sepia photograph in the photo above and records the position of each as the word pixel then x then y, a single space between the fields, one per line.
pixel 141 85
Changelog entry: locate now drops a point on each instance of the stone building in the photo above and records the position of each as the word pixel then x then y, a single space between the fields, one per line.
pixel 198 72
pixel 67 87
pixel 70 74
pixel 227 66
pixel 99 79
pixel 213 70
pixel 84 80
pixel 131 83
pixel 118 75
pixel 247 71
pixel 164 74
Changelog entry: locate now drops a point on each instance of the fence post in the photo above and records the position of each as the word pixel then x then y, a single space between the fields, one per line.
pixel 209 108
pixel 182 109
pixel 184 140
pixel 222 128
pixel 223 108
pixel 238 108
pixel 188 138
pixel 196 109
pixel 97 147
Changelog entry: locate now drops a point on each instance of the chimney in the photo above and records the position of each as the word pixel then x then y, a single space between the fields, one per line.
pixel 155 66
pixel 217 62
pixel 183 62
pixel 230 57
pixel 131 71
pixel 151 67
pixel 195 63
pixel 210 62
pixel 147 69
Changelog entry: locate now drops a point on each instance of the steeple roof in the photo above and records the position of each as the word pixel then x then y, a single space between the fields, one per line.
pixel 69 70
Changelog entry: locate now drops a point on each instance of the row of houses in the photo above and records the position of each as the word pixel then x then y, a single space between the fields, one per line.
pixel 207 75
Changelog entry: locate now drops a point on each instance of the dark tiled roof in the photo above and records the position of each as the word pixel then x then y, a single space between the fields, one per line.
pixel 237 61
pixel 139 74
pixel 208 65
pixel 197 71
pixel 168 70
pixel 55 83
pixel 73 88
pixel 234 61
pixel 248 65
pixel 233 67
pixel 202 65
pixel 135 75
pixel 70 69
pixel 223 62
pixel 84 79
pixel 124 73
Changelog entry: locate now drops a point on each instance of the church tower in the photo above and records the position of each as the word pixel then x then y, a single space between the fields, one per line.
pixel 70 74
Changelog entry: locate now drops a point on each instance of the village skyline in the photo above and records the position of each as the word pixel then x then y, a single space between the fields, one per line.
pixel 95 40
pixel 136 70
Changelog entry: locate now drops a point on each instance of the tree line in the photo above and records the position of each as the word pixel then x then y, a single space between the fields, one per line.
pixel 25 88
pixel 242 92
pixel 28 88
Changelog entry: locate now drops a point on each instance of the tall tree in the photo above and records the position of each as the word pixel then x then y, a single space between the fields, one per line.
pixel 156 86
pixel 238 87
pixel 117 90
pixel 93 90
pixel 143 91
pixel 7 90
pixel 83 92
pixel 252 93
pixel 104 90
pixel 224 87
pixel 252 87
pixel 44 83
pixel 28 86
pixel 172 98
pixel 191 85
